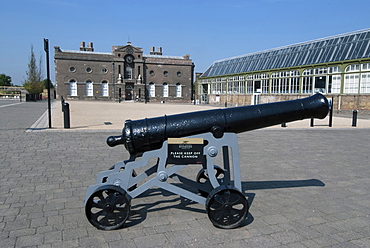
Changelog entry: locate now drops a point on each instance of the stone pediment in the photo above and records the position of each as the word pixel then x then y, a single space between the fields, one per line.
pixel 127 49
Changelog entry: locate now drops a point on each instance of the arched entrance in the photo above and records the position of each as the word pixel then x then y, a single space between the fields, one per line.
pixel 128 93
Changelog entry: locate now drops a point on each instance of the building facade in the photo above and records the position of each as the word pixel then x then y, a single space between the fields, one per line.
pixel 337 66
pixel 124 74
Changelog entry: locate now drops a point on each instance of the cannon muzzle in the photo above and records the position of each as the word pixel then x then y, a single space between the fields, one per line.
pixel 148 134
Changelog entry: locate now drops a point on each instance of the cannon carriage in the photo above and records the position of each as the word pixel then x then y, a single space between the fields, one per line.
pixel 164 146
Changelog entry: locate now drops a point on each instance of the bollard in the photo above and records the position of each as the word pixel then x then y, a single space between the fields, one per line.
pixel 66 115
pixel 331 114
pixel 354 118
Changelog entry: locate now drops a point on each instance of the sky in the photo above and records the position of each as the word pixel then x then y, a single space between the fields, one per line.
pixel 206 30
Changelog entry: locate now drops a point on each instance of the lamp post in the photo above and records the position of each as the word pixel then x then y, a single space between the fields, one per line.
pixel 46 48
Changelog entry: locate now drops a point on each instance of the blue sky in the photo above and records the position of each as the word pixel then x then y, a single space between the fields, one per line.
pixel 207 30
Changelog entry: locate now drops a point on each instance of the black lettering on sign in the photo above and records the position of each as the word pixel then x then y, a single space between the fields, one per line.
pixel 185 151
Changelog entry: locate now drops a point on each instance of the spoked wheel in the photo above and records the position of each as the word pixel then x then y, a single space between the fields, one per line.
pixel 202 177
pixel 227 207
pixel 108 208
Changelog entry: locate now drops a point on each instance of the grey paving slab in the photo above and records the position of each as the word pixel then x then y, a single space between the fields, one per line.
pixel 307 188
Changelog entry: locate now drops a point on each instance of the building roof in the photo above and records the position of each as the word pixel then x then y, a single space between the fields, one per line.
pixel 348 46
pixel 84 52
pixel 163 56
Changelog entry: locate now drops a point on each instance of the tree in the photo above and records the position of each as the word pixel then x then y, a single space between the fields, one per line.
pixel 5 80
pixel 33 84
pixel 46 84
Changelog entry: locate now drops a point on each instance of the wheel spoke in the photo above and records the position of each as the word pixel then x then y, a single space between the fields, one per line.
pixel 227 196
pixel 97 205
pixel 99 194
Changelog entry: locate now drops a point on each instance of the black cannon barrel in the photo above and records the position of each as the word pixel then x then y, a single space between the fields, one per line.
pixel 149 134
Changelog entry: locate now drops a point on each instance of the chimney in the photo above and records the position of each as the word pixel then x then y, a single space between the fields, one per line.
pixel 82 46
pixel 159 51
pixel 152 50
pixel 90 48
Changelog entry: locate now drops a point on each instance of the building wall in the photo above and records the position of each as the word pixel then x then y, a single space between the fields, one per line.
pixel 85 66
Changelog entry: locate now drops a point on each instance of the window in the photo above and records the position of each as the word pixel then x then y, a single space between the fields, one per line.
pixel 366 67
pixel 334 69
pixel 89 88
pixel 73 87
pixel 165 90
pixel 165 73
pixel 88 70
pixel 353 68
pixel 151 90
pixel 249 87
pixel 128 73
pixel 104 70
pixel 72 69
pixel 275 85
pixel 294 85
pixel 336 82
pixel 284 85
pixel 307 85
pixel 104 88
pixel 216 88
pixel 351 82
pixel 307 72
pixel 265 85
pixel 151 73
pixel 323 70
pixel 179 73
pixel 178 90
pixel 365 83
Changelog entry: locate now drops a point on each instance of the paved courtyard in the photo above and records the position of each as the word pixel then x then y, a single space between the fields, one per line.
pixel 307 187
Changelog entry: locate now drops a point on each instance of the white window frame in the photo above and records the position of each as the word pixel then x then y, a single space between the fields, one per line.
pixel 104 88
pixel 151 90
pixel 336 84
pixel 178 90
pixel 307 84
pixel 89 88
pixel 351 82
pixel 165 90
pixel 72 87
pixel 365 82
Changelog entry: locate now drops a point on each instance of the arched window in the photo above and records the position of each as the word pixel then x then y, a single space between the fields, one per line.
pixel 353 68
pixel 89 88
pixel 72 87
pixel 165 90
pixel 104 88
pixel 178 90
pixel 151 90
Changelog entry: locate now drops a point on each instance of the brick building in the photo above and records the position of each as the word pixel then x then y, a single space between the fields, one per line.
pixel 124 74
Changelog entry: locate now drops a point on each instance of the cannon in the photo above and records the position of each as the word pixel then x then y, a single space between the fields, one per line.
pixel 161 147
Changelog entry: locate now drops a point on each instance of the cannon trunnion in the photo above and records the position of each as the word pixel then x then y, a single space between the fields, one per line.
pixel 161 147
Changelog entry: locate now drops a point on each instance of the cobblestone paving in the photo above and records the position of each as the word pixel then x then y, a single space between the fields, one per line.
pixel 307 188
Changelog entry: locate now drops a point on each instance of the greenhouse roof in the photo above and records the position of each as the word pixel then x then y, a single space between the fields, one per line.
pixel 348 46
